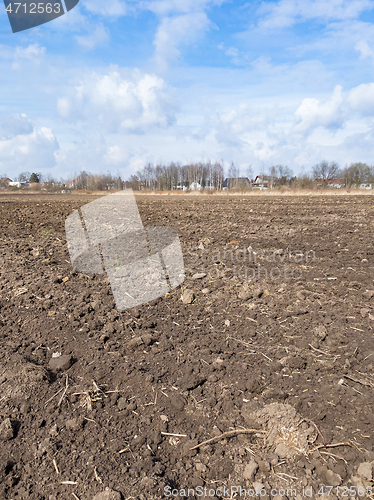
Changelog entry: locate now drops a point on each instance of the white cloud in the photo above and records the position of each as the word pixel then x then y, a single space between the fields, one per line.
pixel 361 99
pixel 64 107
pixel 312 113
pixel 86 153
pixel 74 21
pixel 97 38
pixel 175 31
pixel 110 8
pixel 233 127
pixel 232 52
pixel 116 101
pixel 23 146
pixel 168 7
pixel 11 126
pixel 33 54
pixel 286 13
pixel 363 47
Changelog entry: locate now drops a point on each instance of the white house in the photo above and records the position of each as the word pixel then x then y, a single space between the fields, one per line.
pixel 19 184
pixel 195 186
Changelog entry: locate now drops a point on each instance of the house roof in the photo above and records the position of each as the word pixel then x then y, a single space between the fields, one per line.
pixel 330 181
pixel 262 179
pixel 238 180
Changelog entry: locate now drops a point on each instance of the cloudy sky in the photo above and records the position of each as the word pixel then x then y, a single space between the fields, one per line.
pixel 114 84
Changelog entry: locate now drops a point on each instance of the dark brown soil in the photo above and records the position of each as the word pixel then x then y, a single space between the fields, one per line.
pixel 292 329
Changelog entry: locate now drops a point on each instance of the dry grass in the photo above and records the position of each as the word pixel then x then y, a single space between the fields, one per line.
pixel 251 193
pixel 267 193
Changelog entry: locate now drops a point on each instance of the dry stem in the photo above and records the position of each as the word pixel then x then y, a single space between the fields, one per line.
pixel 228 434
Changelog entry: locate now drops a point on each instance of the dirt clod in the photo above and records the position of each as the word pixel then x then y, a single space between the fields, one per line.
pixel 6 430
pixel 285 429
pixel 365 470
pixel 108 494
pixel 60 363
pixel 250 470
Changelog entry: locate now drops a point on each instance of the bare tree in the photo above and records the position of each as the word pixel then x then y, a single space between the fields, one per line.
pixel 218 175
pixel 24 177
pixel 250 172
pixel 326 171
pixel 283 174
pixel 358 173
pixel 234 175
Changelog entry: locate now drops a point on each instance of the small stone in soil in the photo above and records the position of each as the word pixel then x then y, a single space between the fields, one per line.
pixel 283 451
pixel 61 363
pixel 364 312
pixel 147 339
pixel 177 402
pixel 108 494
pixel 188 296
pixel 365 470
pixel 134 343
pixel 245 294
pixel 6 430
pixel 122 403
pixel 320 332
pixel 198 276
pixel 258 486
pixel 332 478
pixel 197 481
pixel 200 467
pixel 74 424
pixel 250 470
pixel 53 431
pixel 191 382
pixel 258 292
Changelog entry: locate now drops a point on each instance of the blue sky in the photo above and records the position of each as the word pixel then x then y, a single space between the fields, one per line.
pixel 114 84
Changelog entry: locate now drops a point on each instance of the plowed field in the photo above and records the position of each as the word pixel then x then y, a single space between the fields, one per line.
pixel 277 340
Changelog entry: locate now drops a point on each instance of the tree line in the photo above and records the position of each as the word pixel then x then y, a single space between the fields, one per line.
pixel 176 176
pixel 212 175
pixel 204 175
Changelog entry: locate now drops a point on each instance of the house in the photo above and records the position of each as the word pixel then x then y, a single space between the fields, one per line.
pixel 195 186
pixel 262 182
pixel 19 184
pixel 331 183
pixel 180 187
pixel 336 183
pixel 366 186
pixel 73 183
pixel 5 181
pixel 236 182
